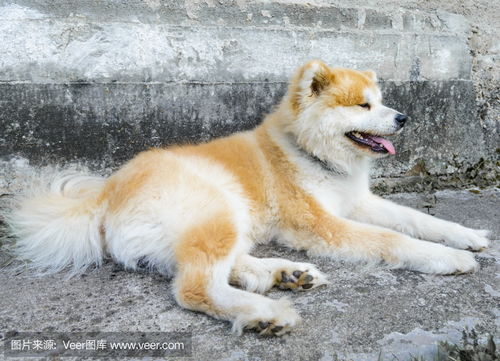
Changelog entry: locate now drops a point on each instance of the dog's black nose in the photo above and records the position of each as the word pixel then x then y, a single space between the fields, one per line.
pixel 401 119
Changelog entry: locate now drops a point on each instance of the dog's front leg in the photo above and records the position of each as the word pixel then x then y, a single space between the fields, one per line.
pixel 375 210
pixel 326 235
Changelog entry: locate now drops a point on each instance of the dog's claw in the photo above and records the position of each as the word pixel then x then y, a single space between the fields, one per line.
pixel 276 329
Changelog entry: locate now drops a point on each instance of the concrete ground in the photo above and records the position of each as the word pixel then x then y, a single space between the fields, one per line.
pixel 362 313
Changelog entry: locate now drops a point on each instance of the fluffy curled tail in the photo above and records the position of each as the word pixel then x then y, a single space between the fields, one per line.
pixel 56 222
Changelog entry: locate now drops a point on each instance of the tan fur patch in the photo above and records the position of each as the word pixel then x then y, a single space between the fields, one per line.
pixel 199 249
pixel 348 87
pixel 191 289
pixel 239 155
pixel 207 242
pixel 128 181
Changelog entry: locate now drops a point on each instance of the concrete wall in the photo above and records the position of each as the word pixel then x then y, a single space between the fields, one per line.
pixel 98 81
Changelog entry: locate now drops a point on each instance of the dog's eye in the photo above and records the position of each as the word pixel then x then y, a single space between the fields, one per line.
pixel 365 105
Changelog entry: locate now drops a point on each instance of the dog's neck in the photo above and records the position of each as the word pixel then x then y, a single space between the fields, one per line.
pixel 325 164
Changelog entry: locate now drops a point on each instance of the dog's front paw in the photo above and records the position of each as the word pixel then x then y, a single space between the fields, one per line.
pixel 463 262
pixel 452 261
pixel 301 277
pixel 467 238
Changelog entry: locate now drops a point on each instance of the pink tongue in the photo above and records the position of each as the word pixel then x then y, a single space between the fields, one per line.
pixel 386 143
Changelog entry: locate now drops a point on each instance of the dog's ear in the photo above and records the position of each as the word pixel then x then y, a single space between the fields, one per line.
pixel 308 82
pixel 371 75
pixel 314 77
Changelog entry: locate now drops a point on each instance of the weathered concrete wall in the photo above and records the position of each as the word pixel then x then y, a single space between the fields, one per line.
pixel 98 81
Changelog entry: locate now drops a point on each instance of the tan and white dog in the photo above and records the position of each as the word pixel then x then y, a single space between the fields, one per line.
pixel 196 211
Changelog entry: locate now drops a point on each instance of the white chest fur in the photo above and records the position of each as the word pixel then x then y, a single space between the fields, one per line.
pixel 336 193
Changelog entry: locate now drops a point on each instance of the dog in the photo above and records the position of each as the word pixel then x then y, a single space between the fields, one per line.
pixel 194 212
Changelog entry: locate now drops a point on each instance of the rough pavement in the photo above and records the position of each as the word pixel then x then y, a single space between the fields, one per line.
pixel 363 312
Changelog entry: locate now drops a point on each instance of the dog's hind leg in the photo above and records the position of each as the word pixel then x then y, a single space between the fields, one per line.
pixel 261 274
pixel 204 258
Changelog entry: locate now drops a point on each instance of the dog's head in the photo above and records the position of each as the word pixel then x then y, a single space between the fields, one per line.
pixel 340 110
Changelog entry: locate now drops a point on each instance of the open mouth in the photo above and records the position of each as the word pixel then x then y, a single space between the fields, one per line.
pixel 374 143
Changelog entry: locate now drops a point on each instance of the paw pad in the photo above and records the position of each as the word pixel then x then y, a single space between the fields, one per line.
pixel 270 328
pixel 296 280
